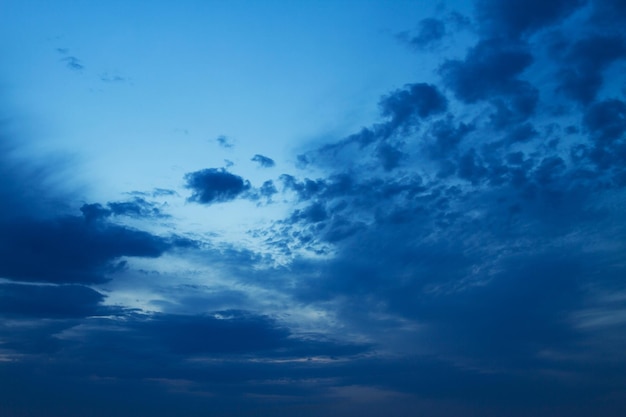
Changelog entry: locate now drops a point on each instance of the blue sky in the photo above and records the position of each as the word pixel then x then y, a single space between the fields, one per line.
pixel 313 208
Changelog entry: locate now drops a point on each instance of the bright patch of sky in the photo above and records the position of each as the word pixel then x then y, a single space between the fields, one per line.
pixel 155 86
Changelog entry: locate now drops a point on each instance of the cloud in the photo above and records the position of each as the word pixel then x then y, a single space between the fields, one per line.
pixel 70 249
pixel 224 142
pixel 430 31
pixel 390 156
pixel 263 161
pixel 50 301
pixel 490 68
pixel 214 185
pixel 463 228
pixel 419 100
pixel 516 18
pixel 447 136
pixel 262 194
pixel 73 63
pixel 584 63
pixel 234 332
pixel 43 241
pixel 138 207
pixel 605 121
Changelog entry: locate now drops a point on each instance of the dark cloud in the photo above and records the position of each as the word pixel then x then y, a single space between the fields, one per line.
pixel 515 18
pixel 490 69
pixel 473 226
pixel 70 249
pixel 415 101
pixel 390 156
pixel 583 65
pixel 214 185
pixel 515 108
pixel 606 120
pixel 41 242
pixel 263 161
pixel 94 211
pixel 231 333
pixel 50 301
pixel 606 123
pixel 138 207
pixel 609 12
pixel 227 332
pixel 522 133
pixel 268 189
pixel 447 137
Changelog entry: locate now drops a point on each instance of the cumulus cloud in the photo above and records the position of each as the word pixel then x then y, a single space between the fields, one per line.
pixel 263 161
pixel 213 185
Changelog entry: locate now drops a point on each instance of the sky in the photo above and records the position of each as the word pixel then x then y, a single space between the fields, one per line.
pixel 346 208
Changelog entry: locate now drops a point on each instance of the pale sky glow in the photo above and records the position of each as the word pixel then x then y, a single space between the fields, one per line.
pixel 312 208
pixel 189 75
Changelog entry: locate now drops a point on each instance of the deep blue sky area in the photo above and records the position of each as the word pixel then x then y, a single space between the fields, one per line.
pixel 313 208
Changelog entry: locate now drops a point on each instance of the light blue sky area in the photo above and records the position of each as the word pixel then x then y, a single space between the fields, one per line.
pixel 153 86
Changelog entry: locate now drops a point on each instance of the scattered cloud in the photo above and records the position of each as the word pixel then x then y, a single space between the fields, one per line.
pixel 263 161
pixel 224 142
pixel 213 185
pixel 112 78
pixel 73 63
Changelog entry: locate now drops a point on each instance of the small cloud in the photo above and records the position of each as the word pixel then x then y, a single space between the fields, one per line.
pixel 430 31
pixel 263 161
pixel 112 78
pixel 214 185
pixel 224 142
pixel 73 63
pixel 159 192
